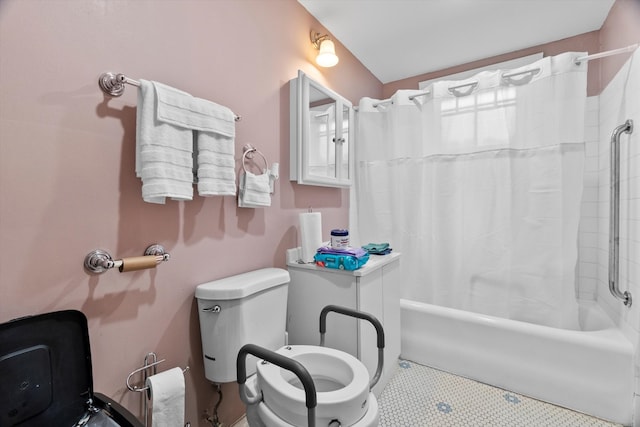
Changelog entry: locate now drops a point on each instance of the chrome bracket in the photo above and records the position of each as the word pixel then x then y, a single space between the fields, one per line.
pixel 157 250
pixel 98 261
pixel 111 84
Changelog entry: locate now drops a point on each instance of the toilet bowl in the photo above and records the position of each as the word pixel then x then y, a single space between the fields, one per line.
pixel 341 381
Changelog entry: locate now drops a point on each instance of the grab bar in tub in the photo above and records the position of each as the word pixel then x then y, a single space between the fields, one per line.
pixel 614 214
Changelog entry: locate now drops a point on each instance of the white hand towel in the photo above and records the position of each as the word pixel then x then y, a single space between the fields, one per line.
pixel 216 165
pixel 194 113
pixel 215 132
pixel 167 398
pixel 163 151
pixel 254 190
pixel 216 148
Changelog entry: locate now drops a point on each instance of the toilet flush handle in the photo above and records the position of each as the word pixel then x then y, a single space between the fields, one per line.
pixel 215 309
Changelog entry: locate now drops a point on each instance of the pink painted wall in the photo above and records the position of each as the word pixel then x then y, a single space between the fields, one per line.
pixel 67 182
pixel 621 29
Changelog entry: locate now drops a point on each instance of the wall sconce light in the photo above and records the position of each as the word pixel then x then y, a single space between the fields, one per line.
pixel 327 50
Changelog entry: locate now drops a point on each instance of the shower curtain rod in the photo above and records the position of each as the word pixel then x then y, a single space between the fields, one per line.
pixel 383 102
pixel 390 101
pixel 578 60
pixel 606 53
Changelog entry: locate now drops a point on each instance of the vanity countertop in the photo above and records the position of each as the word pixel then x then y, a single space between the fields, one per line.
pixel 375 262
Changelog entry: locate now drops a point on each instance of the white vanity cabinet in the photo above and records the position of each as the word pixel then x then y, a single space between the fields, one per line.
pixel 374 289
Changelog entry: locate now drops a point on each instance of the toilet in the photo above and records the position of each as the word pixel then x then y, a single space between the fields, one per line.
pixel 250 308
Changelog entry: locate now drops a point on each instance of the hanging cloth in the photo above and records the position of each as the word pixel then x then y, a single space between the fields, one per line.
pixel 479 185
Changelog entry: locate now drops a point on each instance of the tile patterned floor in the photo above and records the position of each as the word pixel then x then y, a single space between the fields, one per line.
pixel 420 396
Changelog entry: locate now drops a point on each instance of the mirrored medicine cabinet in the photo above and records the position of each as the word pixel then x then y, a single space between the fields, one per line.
pixel 322 128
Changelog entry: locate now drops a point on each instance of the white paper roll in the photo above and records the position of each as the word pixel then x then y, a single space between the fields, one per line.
pixel 167 398
pixel 310 234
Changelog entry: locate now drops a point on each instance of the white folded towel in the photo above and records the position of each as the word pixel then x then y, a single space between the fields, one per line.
pixel 216 164
pixel 166 121
pixel 194 113
pixel 163 151
pixel 215 132
pixel 216 148
pixel 254 190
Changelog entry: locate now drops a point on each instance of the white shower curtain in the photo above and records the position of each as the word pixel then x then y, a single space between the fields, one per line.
pixel 479 185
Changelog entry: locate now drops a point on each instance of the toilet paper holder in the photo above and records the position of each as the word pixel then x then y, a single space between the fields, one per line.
pixel 98 261
pixel 143 369
pixel 150 362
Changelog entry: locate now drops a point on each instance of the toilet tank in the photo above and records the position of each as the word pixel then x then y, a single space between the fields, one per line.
pixel 249 308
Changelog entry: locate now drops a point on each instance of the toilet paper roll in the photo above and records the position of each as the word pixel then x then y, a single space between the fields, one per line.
pixel 310 234
pixel 138 263
pixel 167 398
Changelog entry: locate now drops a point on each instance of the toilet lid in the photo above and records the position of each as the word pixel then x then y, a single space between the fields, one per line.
pixel 46 375
pixel 45 366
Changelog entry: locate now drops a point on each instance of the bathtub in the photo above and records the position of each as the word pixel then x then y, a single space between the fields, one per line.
pixel 590 370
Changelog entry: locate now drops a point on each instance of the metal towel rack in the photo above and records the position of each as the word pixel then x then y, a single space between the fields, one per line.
pixel 113 85
pixel 614 214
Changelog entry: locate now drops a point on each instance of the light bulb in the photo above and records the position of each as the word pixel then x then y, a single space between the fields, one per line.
pixel 327 56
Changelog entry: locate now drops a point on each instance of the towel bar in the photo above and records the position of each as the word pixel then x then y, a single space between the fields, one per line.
pixel 113 85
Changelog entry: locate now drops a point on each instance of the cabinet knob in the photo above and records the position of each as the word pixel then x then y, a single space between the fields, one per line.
pixel 338 140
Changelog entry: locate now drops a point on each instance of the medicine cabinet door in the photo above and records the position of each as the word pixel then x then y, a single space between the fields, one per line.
pixel 321 135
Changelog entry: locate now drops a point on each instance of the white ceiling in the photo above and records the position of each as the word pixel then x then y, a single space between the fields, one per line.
pixel 396 39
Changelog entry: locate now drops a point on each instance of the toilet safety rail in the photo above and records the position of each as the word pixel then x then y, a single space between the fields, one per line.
pixel 297 368
pixel 284 362
pixel 360 315
pixel 614 213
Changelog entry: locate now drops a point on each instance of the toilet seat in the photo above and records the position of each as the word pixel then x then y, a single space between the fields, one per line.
pixel 342 386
